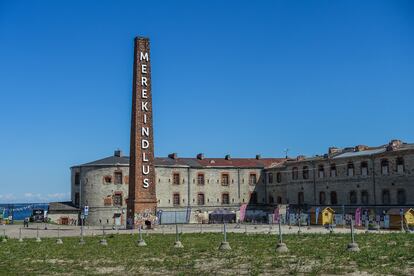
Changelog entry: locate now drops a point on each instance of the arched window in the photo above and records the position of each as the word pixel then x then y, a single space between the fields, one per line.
pixel 385 167
pixel 364 197
pixel 322 198
pixel 333 170
pixel 351 169
pixel 386 199
pixel 305 172
pixel 400 164
pixel 334 198
pixel 321 171
pixel 364 168
pixel 279 177
pixel 295 173
pixel 301 198
pixel 401 198
pixel 353 197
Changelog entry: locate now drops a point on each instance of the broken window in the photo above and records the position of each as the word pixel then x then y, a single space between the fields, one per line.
pixel 252 179
pixel 108 179
pixel 117 200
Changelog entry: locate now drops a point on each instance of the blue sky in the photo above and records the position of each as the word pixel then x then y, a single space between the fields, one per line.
pixel 237 77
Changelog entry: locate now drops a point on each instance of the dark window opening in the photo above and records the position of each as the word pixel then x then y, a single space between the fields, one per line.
pixel 305 172
pixel 118 177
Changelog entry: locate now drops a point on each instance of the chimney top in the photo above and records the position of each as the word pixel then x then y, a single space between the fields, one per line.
pixel 227 157
pixel 173 155
pixel 200 156
pixel 118 153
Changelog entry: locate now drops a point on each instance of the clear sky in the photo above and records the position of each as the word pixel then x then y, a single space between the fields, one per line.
pixel 228 77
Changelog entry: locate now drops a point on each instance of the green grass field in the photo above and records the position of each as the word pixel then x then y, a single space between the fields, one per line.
pixel 310 254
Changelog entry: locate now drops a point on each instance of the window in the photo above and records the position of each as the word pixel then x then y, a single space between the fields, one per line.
pixel 334 198
pixel 225 199
pixel 225 179
pixel 252 179
pixel 364 197
pixel 253 198
pixel 322 198
pixel 401 198
pixel 353 197
pixel 386 198
pixel 176 179
pixel 333 170
pixel 200 179
pixel 364 168
pixel 270 178
pixel 295 173
pixel 118 177
pixel 321 171
pixel 77 178
pixel 400 165
pixel 117 201
pixel 351 169
pixel 176 199
pixel 108 179
pixel 301 198
pixel 271 199
pixel 305 172
pixel 77 199
pixel 279 200
pixel 279 177
pixel 200 199
pixel 385 167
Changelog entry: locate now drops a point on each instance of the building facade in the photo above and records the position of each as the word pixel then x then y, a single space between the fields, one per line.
pixel 359 176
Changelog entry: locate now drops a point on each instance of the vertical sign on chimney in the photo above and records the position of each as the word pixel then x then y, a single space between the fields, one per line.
pixel 142 201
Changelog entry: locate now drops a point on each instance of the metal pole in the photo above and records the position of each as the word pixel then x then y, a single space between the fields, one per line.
pixel 140 234
pixel 402 223
pixel 352 231
pixel 225 232
pixel 280 232
pixel 176 233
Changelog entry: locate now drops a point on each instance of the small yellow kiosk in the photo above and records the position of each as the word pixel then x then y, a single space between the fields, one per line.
pixel 325 216
pixel 395 217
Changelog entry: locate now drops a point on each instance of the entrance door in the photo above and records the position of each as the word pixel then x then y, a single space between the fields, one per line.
pixel 117 219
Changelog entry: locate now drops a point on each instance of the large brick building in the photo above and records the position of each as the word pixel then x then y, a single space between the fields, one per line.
pixel 359 176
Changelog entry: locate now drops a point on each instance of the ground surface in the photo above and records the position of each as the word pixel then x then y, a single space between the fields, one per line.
pixel 252 254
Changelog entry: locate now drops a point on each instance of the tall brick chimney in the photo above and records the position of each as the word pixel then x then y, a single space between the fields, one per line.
pixel 142 201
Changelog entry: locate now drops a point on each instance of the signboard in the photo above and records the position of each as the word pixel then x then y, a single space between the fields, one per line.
pixel 86 210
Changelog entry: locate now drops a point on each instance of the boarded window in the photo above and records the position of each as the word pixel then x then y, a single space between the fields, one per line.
pixel 118 177
pixel 107 179
pixel 108 201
